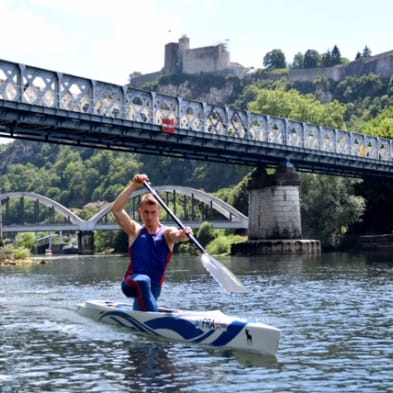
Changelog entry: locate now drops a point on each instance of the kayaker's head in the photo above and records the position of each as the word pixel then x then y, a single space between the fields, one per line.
pixel 149 210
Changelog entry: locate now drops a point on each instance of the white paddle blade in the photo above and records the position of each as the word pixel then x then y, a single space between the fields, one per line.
pixel 229 282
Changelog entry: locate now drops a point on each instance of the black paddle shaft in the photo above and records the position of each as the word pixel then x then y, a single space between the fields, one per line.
pixel 173 216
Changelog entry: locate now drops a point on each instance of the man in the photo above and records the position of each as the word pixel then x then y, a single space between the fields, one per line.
pixel 150 246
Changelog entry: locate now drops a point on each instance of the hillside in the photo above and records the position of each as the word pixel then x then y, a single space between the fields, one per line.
pixel 77 176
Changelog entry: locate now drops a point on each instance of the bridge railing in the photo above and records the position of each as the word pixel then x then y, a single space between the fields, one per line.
pixel 36 86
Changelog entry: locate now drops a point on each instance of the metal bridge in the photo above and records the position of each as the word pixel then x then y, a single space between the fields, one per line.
pixel 230 217
pixel 50 106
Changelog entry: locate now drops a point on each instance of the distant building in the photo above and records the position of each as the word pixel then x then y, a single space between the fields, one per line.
pixel 215 59
pixel 179 58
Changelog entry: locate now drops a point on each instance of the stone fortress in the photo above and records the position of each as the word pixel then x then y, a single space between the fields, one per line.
pixel 180 59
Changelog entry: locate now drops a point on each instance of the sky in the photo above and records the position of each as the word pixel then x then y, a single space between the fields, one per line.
pixel 108 40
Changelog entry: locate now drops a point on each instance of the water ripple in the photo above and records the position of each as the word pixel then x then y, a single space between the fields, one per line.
pixel 335 314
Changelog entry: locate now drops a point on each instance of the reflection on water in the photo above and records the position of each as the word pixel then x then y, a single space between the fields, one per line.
pixel 150 365
pixel 335 312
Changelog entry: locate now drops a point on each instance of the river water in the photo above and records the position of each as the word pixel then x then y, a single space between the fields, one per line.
pixel 335 313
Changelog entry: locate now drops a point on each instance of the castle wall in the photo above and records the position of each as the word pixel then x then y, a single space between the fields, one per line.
pixel 336 73
pixel 206 59
pixel 138 81
pixel 381 64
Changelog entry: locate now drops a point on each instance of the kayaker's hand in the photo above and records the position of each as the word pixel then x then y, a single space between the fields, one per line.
pixel 185 232
pixel 139 179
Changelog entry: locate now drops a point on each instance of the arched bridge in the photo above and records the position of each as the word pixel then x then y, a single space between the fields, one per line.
pixel 230 217
pixel 49 106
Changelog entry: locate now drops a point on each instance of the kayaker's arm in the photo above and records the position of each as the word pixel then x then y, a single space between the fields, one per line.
pixel 122 218
pixel 174 235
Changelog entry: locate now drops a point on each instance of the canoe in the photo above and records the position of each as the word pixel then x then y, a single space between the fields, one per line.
pixel 211 328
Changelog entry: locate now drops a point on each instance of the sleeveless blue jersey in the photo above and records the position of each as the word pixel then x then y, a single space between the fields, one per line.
pixel 150 255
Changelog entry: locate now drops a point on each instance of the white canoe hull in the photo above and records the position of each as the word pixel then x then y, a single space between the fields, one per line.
pixel 211 328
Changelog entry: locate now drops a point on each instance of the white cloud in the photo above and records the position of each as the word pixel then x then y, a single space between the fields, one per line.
pixel 94 39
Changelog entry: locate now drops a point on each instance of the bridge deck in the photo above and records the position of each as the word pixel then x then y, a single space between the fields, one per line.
pixel 49 106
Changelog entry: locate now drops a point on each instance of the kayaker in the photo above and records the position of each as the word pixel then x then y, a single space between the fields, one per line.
pixel 150 246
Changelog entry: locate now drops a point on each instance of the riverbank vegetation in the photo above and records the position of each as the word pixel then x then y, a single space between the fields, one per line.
pixel 334 209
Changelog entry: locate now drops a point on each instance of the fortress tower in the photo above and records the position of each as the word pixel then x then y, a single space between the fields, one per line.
pixel 179 58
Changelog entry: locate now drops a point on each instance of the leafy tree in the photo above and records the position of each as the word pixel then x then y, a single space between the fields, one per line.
pixel 133 75
pixel 311 59
pixel 26 240
pixel 326 59
pixel 298 61
pixel 381 125
pixel 222 244
pixel 353 89
pixel 329 207
pixel 377 217
pixel 274 59
pixel 236 196
pixel 293 105
pixel 336 56
pixel 205 233
pixel 366 52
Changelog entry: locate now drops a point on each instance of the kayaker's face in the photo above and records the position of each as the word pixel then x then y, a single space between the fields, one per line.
pixel 150 214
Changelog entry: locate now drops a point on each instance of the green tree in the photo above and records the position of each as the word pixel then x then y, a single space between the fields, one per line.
pixel 381 125
pixel 336 56
pixel 205 233
pixel 311 59
pixel 291 104
pixel 274 59
pixel 26 240
pixel 298 61
pixel 329 207
pixel 326 59
pixel 366 52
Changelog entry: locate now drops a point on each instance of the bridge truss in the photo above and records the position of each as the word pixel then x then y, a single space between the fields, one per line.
pixel 226 216
pixel 49 106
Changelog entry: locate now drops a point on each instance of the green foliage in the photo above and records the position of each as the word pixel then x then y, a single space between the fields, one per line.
pixel 205 233
pixel 329 207
pixel 298 61
pixel 352 88
pixel 293 105
pixel 236 196
pixel 17 252
pixel 26 240
pixel 312 59
pixel 104 240
pixel 382 125
pixel 377 217
pixel 21 253
pixel 221 245
pixel 274 59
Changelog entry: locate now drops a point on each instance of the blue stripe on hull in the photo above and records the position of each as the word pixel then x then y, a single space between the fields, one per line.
pixel 230 333
pixel 182 327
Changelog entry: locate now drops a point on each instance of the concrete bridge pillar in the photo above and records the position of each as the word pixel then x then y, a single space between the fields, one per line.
pixel 274 206
pixel 274 221
pixel 86 242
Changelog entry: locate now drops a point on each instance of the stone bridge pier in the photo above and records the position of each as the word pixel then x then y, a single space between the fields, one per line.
pixel 274 221
pixel 86 242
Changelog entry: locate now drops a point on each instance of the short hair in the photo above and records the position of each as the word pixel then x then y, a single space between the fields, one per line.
pixel 149 199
